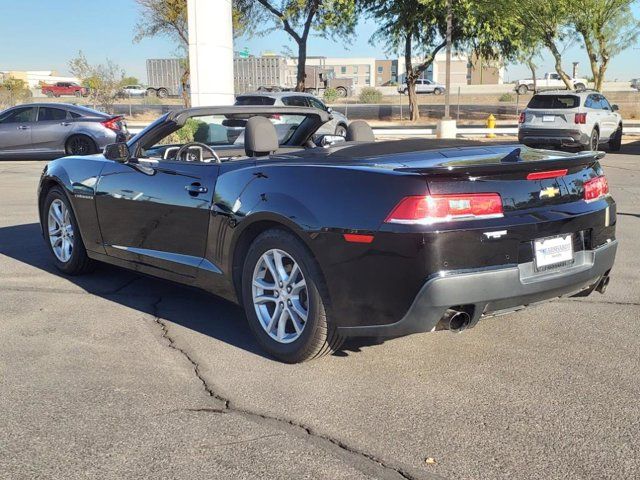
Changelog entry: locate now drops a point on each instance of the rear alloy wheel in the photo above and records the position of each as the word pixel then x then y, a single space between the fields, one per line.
pixel 438 91
pixel 616 140
pixel 64 239
pixel 594 140
pixel 163 93
pixel 285 299
pixel 580 87
pixel 78 93
pixel 341 131
pixel 80 145
pixel 522 89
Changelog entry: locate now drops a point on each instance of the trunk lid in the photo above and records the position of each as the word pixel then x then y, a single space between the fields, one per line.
pixel 506 171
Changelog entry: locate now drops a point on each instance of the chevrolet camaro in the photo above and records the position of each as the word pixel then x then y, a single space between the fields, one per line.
pixel 322 238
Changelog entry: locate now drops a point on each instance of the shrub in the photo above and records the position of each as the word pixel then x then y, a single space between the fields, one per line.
pixel 370 95
pixel 506 97
pixel 330 95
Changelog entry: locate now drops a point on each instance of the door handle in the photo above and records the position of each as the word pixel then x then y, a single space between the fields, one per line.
pixel 196 189
pixel 23 127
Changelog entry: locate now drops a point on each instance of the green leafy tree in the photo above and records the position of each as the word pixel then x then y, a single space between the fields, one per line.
pixel 546 22
pixel 130 81
pixel 103 80
pixel 606 27
pixel 334 19
pixel 167 18
pixel 417 28
pixel 13 91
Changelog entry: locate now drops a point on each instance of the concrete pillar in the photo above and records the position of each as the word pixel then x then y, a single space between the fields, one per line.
pixel 210 52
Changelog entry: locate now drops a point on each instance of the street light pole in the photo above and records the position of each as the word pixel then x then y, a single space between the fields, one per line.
pixel 447 115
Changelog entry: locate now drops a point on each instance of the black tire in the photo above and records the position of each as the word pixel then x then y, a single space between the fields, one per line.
pixel 151 92
pixel 319 336
pixel 615 143
pixel 50 94
pixel 580 87
pixel 79 262
pixel 438 91
pixel 594 141
pixel 341 130
pixel 78 93
pixel 80 145
pixel 163 93
pixel 522 89
pixel 342 92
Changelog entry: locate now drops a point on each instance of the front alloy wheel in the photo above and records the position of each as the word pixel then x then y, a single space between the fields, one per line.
pixel 60 230
pixel 280 296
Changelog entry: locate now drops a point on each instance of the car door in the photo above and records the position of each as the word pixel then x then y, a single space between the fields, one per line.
pixel 156 213
pixel 15 130
pixel 51 129
pixel 429 87
pixel 609 118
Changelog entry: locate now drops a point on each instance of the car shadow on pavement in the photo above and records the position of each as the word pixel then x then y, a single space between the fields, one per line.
pixel 188 307
pixel 182 305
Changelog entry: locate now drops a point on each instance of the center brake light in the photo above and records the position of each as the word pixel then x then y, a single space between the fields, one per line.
pixel 428 209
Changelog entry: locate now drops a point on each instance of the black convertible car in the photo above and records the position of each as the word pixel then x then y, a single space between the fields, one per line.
pixel 321 239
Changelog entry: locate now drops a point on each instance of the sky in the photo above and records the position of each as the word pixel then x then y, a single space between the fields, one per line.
pixel 46 34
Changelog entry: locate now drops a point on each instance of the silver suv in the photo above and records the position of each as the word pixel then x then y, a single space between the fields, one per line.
pixel 583 120
pixel 336 126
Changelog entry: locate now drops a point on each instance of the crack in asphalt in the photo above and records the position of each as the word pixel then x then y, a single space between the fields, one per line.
pixel 289 425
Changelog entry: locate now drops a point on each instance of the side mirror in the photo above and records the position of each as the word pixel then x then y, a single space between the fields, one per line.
pixel 615 107
pixel 118 152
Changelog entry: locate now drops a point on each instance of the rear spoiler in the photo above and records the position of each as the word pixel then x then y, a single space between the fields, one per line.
pixel 511 163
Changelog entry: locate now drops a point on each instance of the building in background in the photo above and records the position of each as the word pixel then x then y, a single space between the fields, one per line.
pixel 33 78
pixel 465 70
pixel 386 73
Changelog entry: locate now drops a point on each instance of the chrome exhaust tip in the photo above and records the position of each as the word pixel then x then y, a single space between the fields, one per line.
pixel 454 320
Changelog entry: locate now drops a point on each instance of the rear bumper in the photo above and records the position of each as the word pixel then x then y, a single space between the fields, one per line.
pixel 494 291
pixel 556 137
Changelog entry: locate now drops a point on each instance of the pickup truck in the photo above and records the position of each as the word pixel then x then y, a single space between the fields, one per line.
pixel 549 81
pixel 59 89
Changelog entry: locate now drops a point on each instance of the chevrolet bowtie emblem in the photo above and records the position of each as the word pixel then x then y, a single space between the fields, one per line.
pixel 549 192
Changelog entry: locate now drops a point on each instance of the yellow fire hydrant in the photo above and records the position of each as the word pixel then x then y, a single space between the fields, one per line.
pixel 491 124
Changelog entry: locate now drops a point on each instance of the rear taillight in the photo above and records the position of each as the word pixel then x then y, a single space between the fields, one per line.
pixel 580 118
pixel 596 188
pixel 522 117
pixel 443 208
pixel 113 124
pixel 276 116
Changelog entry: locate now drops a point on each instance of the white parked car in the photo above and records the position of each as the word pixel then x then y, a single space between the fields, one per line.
pixel 134 91
pixel 424 86
pixel 549 81
pixel 583 120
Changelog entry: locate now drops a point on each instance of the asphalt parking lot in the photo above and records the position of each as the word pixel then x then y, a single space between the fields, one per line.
pixel 113 375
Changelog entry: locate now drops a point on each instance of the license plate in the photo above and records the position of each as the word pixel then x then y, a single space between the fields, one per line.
pixel 553 251
pixel 548 118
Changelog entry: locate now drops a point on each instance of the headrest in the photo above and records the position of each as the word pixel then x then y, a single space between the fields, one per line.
pixel 360 131
pixel 260 138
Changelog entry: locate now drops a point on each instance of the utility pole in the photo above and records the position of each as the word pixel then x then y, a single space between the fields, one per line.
pixel 447 115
